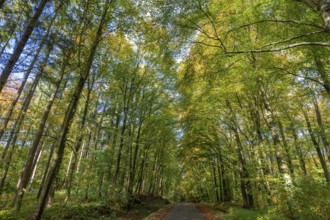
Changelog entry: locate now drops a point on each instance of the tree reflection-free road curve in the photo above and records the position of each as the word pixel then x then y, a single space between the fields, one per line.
pixel 184 211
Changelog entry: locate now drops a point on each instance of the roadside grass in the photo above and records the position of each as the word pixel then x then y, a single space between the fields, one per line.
pixel 239 214
pixel 138 209
pixel 227 212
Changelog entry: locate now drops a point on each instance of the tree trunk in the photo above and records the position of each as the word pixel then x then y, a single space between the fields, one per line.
pixel 298 149
pixel 321 69
pixel 21 44
pixel 70 112
pixel 72 166
pixel 27 169
pixel 26 76
pixel 325 11
pixel 317 147
pixel 216 186
pixel 321 126
pixel 46 170
pixel 14 133
pixel 286 148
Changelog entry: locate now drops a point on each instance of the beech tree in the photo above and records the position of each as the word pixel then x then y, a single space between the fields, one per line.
pixel 105 104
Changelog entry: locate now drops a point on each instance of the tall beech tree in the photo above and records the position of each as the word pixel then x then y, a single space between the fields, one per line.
pixel 108 103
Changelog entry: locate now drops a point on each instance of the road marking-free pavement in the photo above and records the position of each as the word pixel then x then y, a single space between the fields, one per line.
pixel 184 211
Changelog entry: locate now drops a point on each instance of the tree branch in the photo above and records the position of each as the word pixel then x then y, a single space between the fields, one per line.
pixel 275 21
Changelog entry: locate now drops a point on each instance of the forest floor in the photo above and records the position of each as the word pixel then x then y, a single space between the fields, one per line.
pixel 137 209
pixel 142 207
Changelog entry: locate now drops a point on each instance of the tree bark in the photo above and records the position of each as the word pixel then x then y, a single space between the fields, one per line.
pixel 70 112
pixel 26 76
pixel 28 168
pixel 317 147
pixel 322 71
pixel 321 126
pixel 21 44
pixel 323 6
pixel 79 140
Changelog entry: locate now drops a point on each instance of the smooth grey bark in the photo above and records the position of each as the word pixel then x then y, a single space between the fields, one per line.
pixel 322 6
pixel 325 11
pixel 286 148
pixel 271 124
pixel 70 112
pixel 21 44
pixel 46 170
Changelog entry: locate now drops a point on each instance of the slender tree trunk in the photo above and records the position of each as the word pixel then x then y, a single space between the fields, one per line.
pixel 27 169
pixel 246 186
pixel 70 112
pixel 79 141
pixel 35 163
pixel 35 168
pixel 21 44
pixel 286 148
pixel 321 126
pixel 215 181
pixel 282 166
pixel 320 66
pixel 26 76
pixel 11 32
pixel 298 150
pixel 136 151
pixel 14 133
pixel 46 170
pixel 317 147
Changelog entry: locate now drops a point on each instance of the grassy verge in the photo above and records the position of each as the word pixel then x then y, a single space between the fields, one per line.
pixel 137 209
pixel 226 212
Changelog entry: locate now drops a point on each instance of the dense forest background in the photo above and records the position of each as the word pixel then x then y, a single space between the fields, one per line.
pixel 216 101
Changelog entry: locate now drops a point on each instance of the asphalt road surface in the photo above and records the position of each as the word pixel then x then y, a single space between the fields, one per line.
pixel 184 211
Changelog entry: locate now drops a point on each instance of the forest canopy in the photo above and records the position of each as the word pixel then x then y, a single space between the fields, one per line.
pixel 103 103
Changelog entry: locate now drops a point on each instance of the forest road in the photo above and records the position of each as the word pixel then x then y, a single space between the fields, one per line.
pixel 184 211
